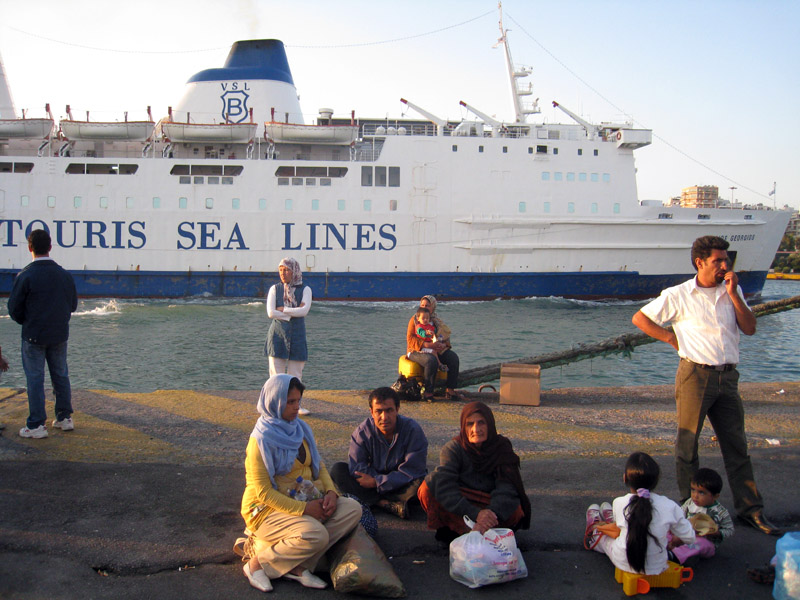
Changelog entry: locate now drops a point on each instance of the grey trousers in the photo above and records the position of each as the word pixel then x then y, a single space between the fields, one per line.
pixel 702 392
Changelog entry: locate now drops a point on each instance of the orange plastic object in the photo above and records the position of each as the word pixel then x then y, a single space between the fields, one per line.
pixel 636 583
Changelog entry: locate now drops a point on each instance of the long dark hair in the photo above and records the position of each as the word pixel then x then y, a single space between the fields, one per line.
pixel 641 474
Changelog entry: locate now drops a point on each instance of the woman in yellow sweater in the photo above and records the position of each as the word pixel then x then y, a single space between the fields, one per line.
pixel 288 536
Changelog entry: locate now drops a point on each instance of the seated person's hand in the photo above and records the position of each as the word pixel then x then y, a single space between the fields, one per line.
pixel 314 509
pixel 329 503
pixel 365 480
pixel 485 521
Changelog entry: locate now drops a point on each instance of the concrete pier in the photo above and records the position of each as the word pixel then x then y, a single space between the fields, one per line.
pixel 141 500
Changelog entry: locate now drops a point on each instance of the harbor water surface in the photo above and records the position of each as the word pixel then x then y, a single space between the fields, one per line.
pixel 217 344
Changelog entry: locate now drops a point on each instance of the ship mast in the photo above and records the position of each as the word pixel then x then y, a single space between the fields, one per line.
pixel 518 91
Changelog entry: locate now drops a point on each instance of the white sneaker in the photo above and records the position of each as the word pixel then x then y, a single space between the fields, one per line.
pixel 38 433
pixel 64 424
pixel 606 512
pixel 258 579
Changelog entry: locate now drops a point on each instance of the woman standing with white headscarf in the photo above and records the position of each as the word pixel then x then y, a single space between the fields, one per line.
pixel 288 536
pixel 288 303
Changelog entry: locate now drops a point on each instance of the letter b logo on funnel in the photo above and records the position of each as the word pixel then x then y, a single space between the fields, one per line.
pixel 234 106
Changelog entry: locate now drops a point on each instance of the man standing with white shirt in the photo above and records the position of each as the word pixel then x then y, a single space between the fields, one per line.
pixel 707 312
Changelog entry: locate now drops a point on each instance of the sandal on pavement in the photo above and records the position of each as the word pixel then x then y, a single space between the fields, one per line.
pixel 308 579
pixel 258 579
pixel 454 396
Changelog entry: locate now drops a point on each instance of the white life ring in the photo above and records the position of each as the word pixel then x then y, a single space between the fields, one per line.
pixel 619 135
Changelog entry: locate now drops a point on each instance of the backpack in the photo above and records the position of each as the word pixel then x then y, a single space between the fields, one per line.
pixel 409 390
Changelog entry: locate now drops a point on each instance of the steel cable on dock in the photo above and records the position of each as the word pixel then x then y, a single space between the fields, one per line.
pixel 624 344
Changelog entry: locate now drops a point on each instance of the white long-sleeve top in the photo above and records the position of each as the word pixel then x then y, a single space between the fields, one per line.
pixel 288 312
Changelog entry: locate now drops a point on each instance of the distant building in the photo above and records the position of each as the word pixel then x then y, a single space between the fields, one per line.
pixel 794 225
pixel 700 196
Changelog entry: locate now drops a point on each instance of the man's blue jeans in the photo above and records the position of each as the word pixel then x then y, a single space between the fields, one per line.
pixel 33 359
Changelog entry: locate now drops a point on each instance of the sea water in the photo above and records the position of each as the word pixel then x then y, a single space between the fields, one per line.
pixel 218 344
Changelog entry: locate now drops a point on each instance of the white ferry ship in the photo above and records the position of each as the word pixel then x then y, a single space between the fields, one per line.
pixel 207 200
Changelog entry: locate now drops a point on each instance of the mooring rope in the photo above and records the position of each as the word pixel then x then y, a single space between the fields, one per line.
pixel 624 344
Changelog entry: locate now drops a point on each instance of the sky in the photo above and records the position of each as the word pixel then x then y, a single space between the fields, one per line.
pixel 717 81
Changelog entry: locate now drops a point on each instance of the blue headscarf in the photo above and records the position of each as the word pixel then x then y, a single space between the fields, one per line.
pixel 278 439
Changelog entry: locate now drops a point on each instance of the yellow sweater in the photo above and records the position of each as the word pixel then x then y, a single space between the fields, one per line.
pixel 261 499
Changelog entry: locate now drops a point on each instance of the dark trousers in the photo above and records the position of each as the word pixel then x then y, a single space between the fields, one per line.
pixel 701 393
pixel 430 366
pixel 347 484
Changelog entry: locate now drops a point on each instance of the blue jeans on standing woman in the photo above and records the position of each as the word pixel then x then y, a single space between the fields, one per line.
pixel 33 359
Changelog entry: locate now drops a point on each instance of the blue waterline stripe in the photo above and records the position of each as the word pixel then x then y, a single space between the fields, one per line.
pixel 381 285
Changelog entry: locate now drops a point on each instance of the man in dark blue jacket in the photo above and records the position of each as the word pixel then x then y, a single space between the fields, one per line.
pixel 388 457
pixel 42 301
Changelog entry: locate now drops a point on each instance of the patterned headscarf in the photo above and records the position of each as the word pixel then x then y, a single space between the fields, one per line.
pixel 442 330
pixel 278 439
pixel 297 280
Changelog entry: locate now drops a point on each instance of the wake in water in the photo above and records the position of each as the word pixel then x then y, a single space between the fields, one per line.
pixel 111 307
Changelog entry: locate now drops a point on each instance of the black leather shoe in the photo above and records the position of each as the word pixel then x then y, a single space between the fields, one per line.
pixel 758 520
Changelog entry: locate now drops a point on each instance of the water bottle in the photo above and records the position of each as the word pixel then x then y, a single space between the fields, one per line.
pixel 304 490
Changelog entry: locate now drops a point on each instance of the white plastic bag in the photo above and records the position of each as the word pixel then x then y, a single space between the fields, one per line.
pixel 477 560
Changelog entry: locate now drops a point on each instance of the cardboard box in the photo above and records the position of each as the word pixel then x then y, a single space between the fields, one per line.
pixel 519 384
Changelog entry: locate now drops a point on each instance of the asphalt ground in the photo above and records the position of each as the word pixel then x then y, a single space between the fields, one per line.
pixel 141 500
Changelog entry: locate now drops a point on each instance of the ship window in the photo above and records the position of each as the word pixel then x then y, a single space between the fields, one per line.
pixel 184 179
pixel 530 150
pixel 546 207
pixel 206 169
pixel 262 204
pixel 103 202
pixel 76 201
pixel 580 151
pixel 606 177
pixel 594 207
pixel 284 172
pixel 209 203
pixel 51 201
pixel 703 217
pixel 198 179
pixel 480 148
pixel 23 167
pixel 297 181
pixel 76 169
pixel 455 148
pixel 180 170
pixel 380 176
pixel 6 167
pixel 325 181
pixel 392 205
pixel 367 205
pixel 558 176
pixel 315 204
pixel 505 149
pixel 553 134
pixel 129 202
pixel 24 201
pixel 665 215
pixel 311 181
pixel 581 176
pixel 227 181
pixel 233 170
pixel 595 177
pixel 287 204
pixel 522 207
pixel 541 149
pixel 366 176
pixel 570 176
pixel 616 208
pixel 96 169
pixel 595 152
pixel 182 202
pixel 337 171
pixel 235 203
pixel 394 176
pixel 283 181
pixel 213 181
pixel 128 169
pixel 570 207
pixel 156 202
pixel 555 150
pixel 746 217
pixel 340 204
pixel 545 175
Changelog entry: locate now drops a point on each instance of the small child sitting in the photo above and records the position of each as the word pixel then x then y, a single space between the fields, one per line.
pixel 713 526
pixel 427 332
